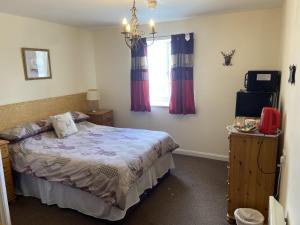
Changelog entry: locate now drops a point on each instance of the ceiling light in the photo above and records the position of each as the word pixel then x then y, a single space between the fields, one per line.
pixel 131 31
pixel 152 4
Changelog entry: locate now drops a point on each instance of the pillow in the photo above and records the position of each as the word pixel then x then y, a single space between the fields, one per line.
pixel 63 125
pixel 25 130
pixel 79 117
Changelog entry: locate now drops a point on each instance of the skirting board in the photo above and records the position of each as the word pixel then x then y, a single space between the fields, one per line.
pixel 180 151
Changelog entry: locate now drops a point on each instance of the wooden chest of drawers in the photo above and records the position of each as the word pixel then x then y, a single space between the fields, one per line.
pixel 102 117
pixel 7 171
pixel 251 172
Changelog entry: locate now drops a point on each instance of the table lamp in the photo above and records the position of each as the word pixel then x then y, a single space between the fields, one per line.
pixel 92 98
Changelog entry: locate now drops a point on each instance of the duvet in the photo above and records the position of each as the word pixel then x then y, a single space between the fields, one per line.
pixel 104 161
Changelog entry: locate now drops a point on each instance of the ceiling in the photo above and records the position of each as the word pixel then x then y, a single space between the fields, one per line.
pixel 97 13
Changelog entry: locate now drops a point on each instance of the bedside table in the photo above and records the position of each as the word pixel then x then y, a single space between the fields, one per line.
pixel 7 171
pixel 102 117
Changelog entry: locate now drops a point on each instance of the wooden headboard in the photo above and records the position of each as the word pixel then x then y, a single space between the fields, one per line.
pixel 13 114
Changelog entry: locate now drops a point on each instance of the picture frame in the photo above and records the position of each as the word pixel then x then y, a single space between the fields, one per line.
pixel 36 63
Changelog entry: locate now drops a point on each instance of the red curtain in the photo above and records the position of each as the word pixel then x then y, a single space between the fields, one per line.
pixel 182 87
pixel 140 99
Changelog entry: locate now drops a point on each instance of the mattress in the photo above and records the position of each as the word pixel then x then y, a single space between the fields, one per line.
pixel 100 160
pixel 65 196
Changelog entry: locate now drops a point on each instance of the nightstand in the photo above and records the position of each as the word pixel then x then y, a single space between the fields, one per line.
pixel 7 171
pixel 102 117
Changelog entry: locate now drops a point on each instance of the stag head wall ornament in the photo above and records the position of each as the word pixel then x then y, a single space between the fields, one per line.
pixel 228 57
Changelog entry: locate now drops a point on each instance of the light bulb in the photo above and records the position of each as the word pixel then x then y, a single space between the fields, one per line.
pixel 152 23
pixel 124 22
pixel 128 28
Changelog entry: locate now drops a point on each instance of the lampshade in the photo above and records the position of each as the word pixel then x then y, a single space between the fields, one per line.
pixel 92 95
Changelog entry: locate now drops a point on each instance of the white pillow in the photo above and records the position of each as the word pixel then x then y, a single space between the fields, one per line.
pixel 63 125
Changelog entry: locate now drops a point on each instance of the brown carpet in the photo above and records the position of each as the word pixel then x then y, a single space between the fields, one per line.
pixel 193 194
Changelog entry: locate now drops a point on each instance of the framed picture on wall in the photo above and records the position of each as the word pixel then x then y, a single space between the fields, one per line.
pixel 36 63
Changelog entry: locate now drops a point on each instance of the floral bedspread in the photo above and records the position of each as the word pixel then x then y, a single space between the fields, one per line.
pixel 104 161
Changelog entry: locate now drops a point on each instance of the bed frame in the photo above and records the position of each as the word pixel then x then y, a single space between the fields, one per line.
pixel 13 114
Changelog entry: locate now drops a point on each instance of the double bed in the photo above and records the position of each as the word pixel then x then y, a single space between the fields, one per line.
pixel 99 171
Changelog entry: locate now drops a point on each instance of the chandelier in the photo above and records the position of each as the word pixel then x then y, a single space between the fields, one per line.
pixel 131 31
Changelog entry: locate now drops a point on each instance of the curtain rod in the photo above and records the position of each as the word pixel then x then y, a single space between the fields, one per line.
pixel 159 37
pixel 164 36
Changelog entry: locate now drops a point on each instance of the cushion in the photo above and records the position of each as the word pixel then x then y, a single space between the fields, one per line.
pixel 63 125
pixel 79 117
pixel 25 130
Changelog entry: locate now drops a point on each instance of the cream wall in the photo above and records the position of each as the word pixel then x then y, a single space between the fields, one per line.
pixel 255 35
pixel 72 59
pixel 290 185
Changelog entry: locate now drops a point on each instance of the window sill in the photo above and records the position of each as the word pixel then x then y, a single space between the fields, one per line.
pixel 160 106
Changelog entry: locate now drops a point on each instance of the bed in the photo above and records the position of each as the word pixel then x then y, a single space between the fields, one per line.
pixel 99 171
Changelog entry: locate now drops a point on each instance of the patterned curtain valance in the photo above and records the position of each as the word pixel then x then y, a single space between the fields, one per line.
pixel 139 63
pixel 182 60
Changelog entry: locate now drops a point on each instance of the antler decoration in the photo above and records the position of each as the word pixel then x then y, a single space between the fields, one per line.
pixel 228 57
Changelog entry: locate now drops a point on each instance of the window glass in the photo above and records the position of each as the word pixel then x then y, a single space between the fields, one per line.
pixel 159 62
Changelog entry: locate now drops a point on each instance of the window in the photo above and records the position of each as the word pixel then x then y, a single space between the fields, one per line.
pixel 159 62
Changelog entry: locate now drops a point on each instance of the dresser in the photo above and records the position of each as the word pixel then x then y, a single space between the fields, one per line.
pixel 251 172
pixel 101 117
pixel 7 171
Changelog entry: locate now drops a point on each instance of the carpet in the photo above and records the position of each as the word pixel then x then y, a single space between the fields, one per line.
pixel 192 194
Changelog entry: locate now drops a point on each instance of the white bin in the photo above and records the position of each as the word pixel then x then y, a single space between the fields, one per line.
pixel 246 216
